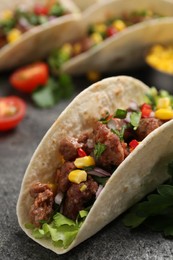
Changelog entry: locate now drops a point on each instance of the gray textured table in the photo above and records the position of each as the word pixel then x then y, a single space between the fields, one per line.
pixel 16 148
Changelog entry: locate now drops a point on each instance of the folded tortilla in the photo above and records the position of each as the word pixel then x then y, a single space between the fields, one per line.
pixel 37 42
pixel 126 48
pixel 137 175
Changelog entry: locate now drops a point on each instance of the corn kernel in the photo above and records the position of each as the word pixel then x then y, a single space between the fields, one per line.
pixel 85 161
pixel 77 176
pixel 93 76
pixel 83 187
pixel 67 48
pixel 96 38
pixel 100 28
pixel 13 35
pixel 164 114
pixel 163 102
pixel 119 25
pixel 6 15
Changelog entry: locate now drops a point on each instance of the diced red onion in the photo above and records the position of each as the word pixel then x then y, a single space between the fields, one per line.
pixel 99 172
pixel 100 188
pixel 59 197
pixel 133 106
pixel 90 143
pixel 112 124
pixel 127 119
pixel 24 23
pixel 152 114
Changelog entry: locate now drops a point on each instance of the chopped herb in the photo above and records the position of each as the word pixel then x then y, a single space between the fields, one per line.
pixel 135 119
pixel 120 113
pixel 99 149
pixel 119 133
pixel 105 119
pixel 101 180
pixel 55 90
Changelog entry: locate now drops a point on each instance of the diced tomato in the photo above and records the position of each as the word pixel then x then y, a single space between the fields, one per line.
pixel 81 152
pixel 41 9
pixel 146 110
pixel 12 111
pixel 133 144
pixel 111 31
pixel 28 78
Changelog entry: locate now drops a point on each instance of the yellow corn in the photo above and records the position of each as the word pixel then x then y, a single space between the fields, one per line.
pixel 93 76
pixel 100 28
pixel 13 35
pixel 163 102
pixel 67 48
pixel 77 48
pixel 6 15
pixel 96 38
pixel 83 187
pixel 77 176
pixel 119 25
pixel 164 114
pixel 85 161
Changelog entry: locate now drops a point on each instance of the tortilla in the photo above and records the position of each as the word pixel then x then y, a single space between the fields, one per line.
pixel 137 175
pixel 83 5
pixel 37 43
pixel 126 48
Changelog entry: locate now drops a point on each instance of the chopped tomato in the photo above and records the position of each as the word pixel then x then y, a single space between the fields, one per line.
pixel 133 144
pixel 12 111
pixel 28 78
pixel 111 31
pixel 41 9
pixel 146 110
pixel 81 152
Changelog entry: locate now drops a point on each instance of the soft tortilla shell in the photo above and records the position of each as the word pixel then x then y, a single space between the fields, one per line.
pixel 38 42
pixel 127 48
pixel 139 174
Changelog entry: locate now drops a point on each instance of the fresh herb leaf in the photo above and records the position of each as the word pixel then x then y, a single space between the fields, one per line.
pixel 106 118
pixel 101 180
pixel 99 148
pixel 135 119
pixel 56 89
pixel 120 113
pixel 119 133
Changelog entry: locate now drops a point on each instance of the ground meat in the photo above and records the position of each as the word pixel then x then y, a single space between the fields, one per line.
pixel 77 200
pixel 114 152
pixel 62 176
pixel 146 126
pixel 86 142
pixel 42 207
pixel 68 148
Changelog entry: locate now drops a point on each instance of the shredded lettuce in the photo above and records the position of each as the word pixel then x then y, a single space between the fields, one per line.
pixel 62 230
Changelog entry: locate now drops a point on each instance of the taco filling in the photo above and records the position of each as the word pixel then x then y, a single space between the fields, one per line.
pixel 14 23
pixel 88 160
pixel 96 34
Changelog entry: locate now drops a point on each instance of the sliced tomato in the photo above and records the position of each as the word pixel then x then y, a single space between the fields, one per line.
pixel 41 9
pixel 28 78
pixel 12 111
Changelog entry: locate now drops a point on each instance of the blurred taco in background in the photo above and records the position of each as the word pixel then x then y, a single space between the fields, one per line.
pixel 107 150
pixel 83 5
pixel 112 37
pixel 23 24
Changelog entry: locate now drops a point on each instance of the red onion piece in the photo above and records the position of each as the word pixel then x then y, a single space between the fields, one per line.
pixel 99 172
pixel 100 188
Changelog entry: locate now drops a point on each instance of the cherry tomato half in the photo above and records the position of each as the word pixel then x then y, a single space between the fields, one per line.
pixel 28 78
pixel 12 111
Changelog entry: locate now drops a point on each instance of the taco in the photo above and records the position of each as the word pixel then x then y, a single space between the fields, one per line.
pixel 112 36
pixel 83 5
pixel 25 26
pixel 107 150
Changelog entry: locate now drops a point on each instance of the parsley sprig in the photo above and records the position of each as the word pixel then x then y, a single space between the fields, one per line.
pixel 156 211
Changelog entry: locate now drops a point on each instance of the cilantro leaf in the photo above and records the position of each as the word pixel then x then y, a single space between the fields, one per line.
pixel 120 113
pixel 135 119
pixel 55 90
pixel 119 133
pixel 99 148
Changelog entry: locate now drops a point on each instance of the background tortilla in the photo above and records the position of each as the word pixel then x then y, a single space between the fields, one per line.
pixel 139 174
pixel 37 43
pixel 127 48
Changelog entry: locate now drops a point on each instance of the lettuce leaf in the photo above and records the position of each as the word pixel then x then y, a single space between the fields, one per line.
pixel 62 230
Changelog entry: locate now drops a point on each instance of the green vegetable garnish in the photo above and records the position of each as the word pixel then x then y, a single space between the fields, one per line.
pixel 120 113
pixel 156 212
pixel 135 119
pixel 119 133
pixel 99 149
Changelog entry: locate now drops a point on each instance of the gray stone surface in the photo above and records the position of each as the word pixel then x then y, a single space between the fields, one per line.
pixel 113 242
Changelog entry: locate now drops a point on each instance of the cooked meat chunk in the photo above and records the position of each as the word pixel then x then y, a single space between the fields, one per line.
pixel 62 176
pixel 42 207
pixel 68 148
pixel 146 126
pixel 114 152
pixel 78 198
